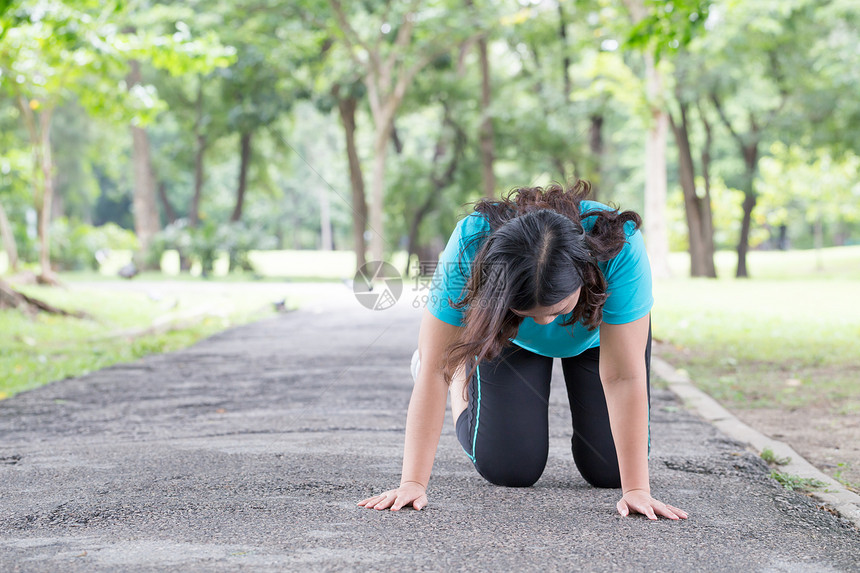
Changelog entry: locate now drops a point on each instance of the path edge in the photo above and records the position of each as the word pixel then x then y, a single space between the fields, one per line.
pixel 836 497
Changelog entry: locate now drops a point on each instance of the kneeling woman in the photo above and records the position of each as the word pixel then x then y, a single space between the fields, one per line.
pixel 541 274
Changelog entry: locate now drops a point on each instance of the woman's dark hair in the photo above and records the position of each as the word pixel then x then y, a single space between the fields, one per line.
pixel 537 254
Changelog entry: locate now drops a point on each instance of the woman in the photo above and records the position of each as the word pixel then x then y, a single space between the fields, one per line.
pixel 540 274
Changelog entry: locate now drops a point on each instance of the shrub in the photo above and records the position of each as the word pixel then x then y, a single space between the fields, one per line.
pixel 75 245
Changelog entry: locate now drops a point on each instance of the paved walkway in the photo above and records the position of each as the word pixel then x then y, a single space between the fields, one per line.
pixel 249 452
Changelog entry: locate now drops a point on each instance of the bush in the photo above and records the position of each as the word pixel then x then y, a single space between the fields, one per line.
pixel 75 246
pixel 176 235
pixel 204 243
pixel 239 240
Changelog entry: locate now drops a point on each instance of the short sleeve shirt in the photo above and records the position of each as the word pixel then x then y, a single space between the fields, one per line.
pixel 628 278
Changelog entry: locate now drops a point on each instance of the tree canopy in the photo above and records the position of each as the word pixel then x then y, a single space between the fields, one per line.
pixel 210 125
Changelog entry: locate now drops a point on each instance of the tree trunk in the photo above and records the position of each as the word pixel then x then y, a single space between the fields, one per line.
pixel 199 152
pixel 395 139
pixel 414 225
pixel 744 241
pixel 706 210
pixel 782 239
pixel 439 182
pixel 750 153
pixel 169 212
pixel 565 60
pixel 8 240
pixel 655 226
pixel 46 276
pixel 748 146
pixel 326 240
pixel 346 108
pixel 818 238
pixel 39 130
pixel 595 145
pixel 487 143
pixel 145 208
pixel 687 177
pixel 244 161
pixel 377 189
pixel 486 134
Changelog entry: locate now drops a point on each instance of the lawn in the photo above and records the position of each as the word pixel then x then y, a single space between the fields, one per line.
pixel 128 320
pixel 779 350
pixel 787 339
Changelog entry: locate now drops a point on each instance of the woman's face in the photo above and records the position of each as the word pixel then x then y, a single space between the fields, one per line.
pixel 546 314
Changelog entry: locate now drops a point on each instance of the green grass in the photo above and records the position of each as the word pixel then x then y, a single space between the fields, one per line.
pixel 785 338
pixel 35 350
pixel 769 342
pixel 838 262
pixel 838 476
pixel 772 459
pixel 797 483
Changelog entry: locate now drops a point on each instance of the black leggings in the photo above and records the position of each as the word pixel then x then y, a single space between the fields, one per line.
pixel 504 429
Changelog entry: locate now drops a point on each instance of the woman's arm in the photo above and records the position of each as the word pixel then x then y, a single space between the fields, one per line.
pixel 623 375
pixel 424 419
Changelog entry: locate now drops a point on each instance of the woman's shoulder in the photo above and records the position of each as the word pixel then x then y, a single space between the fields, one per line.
pixel 475 223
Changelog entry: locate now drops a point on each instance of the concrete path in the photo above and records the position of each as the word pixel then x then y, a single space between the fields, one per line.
pixel 250 450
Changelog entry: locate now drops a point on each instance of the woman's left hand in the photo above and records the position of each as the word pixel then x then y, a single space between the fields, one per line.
pixel 640 501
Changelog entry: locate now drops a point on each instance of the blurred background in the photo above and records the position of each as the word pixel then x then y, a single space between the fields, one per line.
pixel 224 153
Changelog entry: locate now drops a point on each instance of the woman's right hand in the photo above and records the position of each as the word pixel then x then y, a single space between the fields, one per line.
pixel 409 493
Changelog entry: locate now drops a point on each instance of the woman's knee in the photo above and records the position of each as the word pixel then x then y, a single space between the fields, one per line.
pixel 511 470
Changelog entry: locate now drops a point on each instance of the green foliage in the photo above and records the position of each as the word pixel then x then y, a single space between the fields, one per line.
pixel 796 483
pixel 77 246
pixel 37 350
pixel 799 186
pixel 771 458
pixel 176 235
pixel 668 26
pixel 239 239
pixel 55 52
pixel 785 73
pixel 838 476
pixel 204 244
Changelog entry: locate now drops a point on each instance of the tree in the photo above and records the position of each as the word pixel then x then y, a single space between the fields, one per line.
pixel 266 77
pixel 56 52
pixel 8 239
pixel 72 51
pixel 660 29
pixel 753 48
pixel 146 221
pixel 389 56
pixel 486 134
pixel 347 97
pixel 812 187
pixel 655 229
pixel 10 298
pixel 548 117
pixel 697 207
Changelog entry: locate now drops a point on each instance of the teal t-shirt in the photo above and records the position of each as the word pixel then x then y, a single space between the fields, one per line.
pixel 628 278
